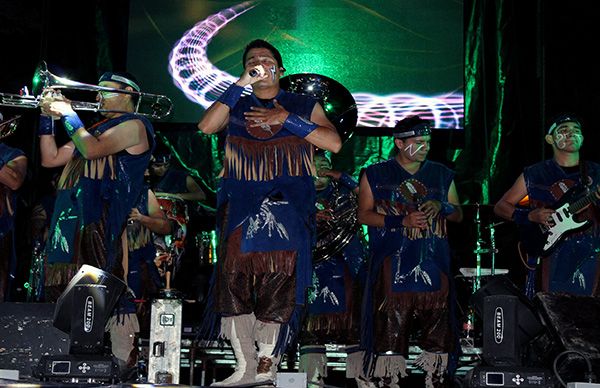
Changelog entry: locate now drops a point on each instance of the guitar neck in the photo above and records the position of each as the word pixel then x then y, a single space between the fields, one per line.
pixel 582 203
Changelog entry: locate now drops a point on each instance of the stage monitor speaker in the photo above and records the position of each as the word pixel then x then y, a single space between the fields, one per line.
pixel 573 325
pixel 27 335
pixel 509 321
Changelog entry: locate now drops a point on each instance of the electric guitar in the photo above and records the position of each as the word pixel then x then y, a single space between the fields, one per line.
pixel 540 240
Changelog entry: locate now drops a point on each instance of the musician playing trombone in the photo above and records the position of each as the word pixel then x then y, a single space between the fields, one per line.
pixel 571 266
pixel 13 168
pixel 100 183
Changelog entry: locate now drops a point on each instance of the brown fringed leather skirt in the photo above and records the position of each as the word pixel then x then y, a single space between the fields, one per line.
pixel 397 316
pixel 260 282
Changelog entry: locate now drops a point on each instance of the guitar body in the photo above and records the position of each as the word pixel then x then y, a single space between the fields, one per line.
pixel 540 240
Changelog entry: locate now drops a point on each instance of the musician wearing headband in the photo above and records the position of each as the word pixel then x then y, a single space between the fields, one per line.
pixel 333 313
pixel 13 169
pixel 172 182
pixel 101 181
pixel 406 202
pixel 265 210
pixel 570 265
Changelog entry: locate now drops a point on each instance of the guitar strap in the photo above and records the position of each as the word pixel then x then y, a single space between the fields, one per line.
pixel 585 180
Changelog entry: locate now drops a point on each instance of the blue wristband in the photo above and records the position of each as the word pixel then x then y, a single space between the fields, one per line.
pixel 231 96
pixel 46 126
pixel 72 123
pixel 299 126
pixel 447 209
pixel 521 216
pixel 393 222
pixel 348 181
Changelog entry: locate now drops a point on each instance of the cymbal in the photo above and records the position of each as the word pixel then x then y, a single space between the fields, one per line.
pixel 336 100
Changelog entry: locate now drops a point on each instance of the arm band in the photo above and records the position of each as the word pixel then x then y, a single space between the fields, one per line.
pixel 521 216
pixel 72 123
pixel 299 126
pixel 46 126
pixel 393 222
pixel 348 181
pixel 447 209
pixel 231 96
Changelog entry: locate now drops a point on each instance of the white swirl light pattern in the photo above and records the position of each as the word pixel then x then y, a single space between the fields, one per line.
pixel 203 83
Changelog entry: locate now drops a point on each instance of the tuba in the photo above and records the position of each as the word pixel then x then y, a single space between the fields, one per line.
pixel 155 106
pixel 335 232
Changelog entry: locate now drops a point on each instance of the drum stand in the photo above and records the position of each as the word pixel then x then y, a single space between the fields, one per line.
pixel 479 250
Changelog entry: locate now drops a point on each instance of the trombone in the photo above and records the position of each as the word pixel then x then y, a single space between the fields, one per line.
pixel 8 127
pixel 155 106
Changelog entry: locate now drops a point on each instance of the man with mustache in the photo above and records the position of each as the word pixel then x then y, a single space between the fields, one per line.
pixel 265 212
pixel 406 202
pixel 572 266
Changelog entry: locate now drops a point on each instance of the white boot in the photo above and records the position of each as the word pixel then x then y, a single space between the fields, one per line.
pixel 355 367
pixel 313 362
pixel 244 351
pixel 266 335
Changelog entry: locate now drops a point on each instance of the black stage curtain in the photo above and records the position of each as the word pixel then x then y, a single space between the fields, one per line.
pixel 525 62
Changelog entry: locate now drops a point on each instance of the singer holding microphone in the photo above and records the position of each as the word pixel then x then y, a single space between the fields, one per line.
pixel 265 213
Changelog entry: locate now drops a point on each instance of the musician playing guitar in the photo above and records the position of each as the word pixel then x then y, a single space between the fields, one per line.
pixel 563 217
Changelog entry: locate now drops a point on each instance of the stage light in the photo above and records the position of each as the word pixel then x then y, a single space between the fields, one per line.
pixel 82 311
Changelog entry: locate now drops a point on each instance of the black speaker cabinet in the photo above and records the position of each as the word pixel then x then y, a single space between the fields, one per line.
pixel 509 321
pixel 573 323
pixel 27 334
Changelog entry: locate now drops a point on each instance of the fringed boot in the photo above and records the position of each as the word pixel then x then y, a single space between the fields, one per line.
pixel 355 367
pixel 435 366
pixel 313 361
pixel 266 335
pixel 238 330
pixel 389 369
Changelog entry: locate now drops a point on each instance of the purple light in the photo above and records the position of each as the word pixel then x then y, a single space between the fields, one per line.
pixel 192 72
pixel 203 83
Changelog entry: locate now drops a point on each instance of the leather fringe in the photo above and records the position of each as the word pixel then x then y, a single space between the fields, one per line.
pixel 60 274
pixel 250 160
pixel 434 364
pixel 429 299
pixel 257 262
pixel 138 236
pixel 328 324
pixel 94 169
pixel 71 173
pixel 390 366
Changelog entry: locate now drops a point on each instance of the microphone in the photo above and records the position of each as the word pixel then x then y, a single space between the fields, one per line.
pixel 253 73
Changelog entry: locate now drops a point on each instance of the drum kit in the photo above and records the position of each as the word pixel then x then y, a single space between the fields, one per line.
pixel 170 248
pixel 485 254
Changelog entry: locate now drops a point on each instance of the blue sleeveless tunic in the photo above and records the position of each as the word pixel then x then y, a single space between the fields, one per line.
pixel 573 266
pixel 94 198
